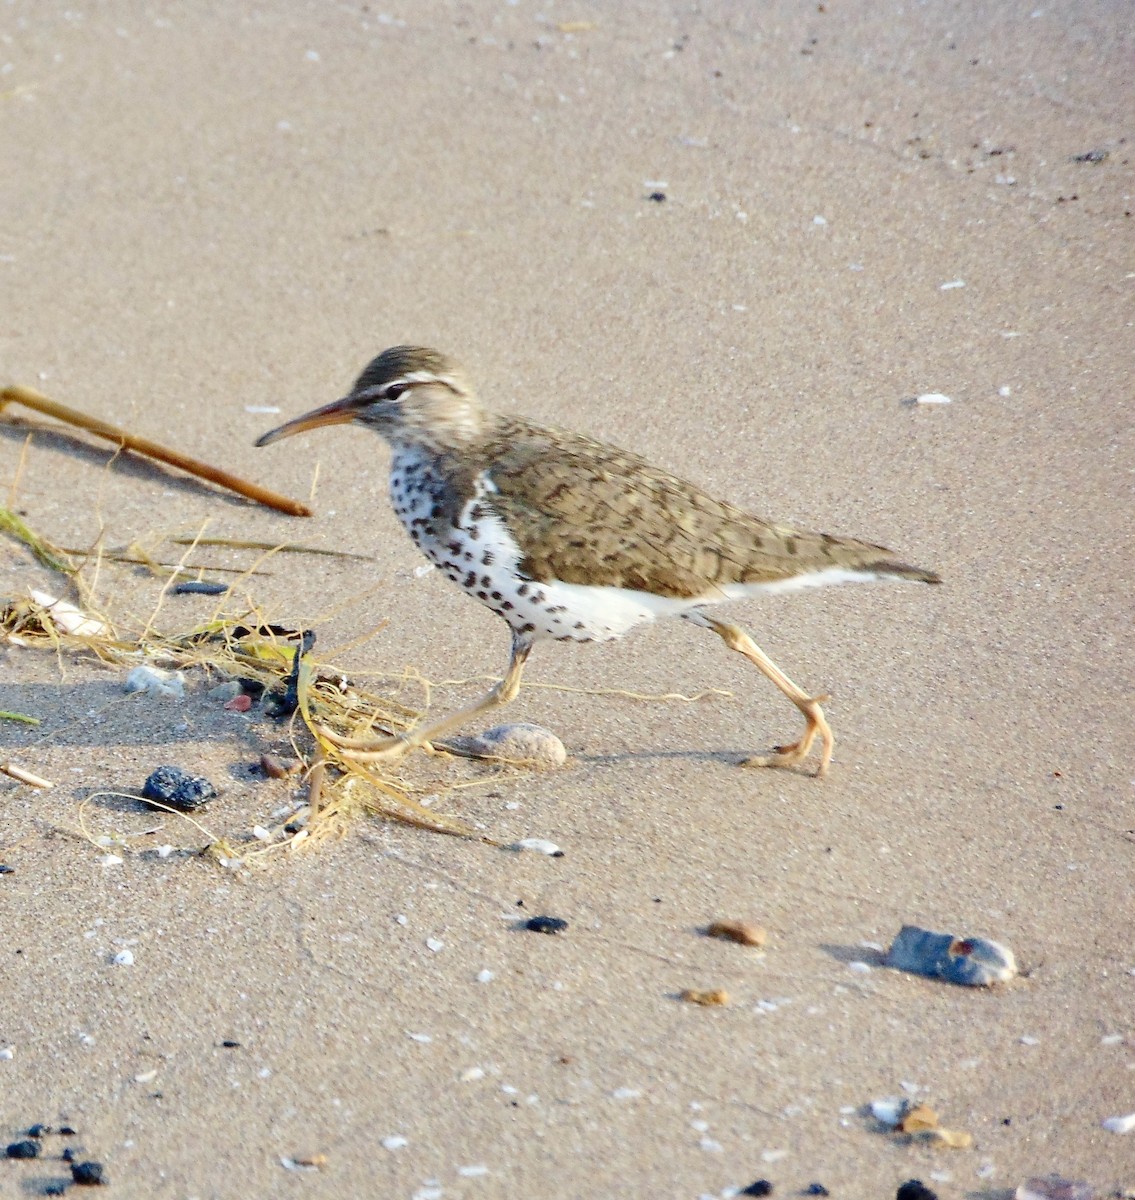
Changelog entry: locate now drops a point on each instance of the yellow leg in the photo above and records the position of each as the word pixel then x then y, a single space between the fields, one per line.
pixel 785 756
pixel 391 749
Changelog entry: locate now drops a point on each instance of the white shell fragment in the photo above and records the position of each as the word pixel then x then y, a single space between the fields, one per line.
pixel 1120 1124
pixel 539 846
pixel 69 619
pixel 889 1111
pixel 395 1142
pixel 124 958
pixel 973 962
pixel 932 398
pixel 531 745
pixel 156 682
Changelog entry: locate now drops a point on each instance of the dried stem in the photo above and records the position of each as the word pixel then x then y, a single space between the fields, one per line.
pixel 128 441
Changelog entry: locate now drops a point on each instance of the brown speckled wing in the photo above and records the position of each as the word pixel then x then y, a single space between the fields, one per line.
pixel 588 513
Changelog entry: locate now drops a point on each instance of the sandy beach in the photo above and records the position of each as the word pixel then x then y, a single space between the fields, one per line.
pixel 741 240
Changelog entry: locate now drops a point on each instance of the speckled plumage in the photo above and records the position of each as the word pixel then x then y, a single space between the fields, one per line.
pixel 566 537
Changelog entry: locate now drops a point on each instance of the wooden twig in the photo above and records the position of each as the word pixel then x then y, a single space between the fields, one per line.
pixel 19 773
pixel 128 441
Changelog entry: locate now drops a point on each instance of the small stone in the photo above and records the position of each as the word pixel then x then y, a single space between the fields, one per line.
pixel 241 703
pixel 38 1131
pixel 395 1142
pixel 918 1119
pixel 88 1174
pixel 156 682
pixel 1120 1124
pixel 714 998
pixel 124 958
pixel 759 1187
pixel 28 1149
pixel 744 933
pixel 816 1189
pixel 278 768
pixel 546 924
pixel 228 690
pixel 932 398
pixel 200 587
pixel 177 788
pixel 1053 1187
pixel 531 745
pixel 915 1189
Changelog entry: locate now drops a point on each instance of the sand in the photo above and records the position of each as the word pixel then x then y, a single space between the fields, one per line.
pixel 213 208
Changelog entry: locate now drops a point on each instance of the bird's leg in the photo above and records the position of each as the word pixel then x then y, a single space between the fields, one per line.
pixel 393 748
pixel 784 756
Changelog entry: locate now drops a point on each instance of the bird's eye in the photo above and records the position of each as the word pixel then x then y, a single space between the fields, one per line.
pixel 393 391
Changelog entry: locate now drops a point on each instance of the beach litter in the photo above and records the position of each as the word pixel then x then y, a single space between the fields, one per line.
pixel 972 962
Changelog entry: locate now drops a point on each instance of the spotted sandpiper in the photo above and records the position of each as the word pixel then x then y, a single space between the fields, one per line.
pixel 571 539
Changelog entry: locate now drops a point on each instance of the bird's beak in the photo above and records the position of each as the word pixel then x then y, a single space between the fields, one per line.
pixel 338 412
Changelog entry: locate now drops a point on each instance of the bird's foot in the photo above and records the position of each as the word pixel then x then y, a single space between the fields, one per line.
pixel 794 753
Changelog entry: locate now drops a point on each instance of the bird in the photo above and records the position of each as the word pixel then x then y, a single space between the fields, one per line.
pixel 572 539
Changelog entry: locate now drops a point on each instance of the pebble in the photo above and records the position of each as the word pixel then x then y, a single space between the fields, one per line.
pixel 395 1142
pixel 241 703
pixel 88 1174
pixel 278 768
pixel 915 1189
pixel 932 398
pixel 1120 1124
pixel 530 744
pixel 200 587
pixel 28 1149
pixel 714 998
pixel 226 691
pixel 1052 1187
pixel 156 682
pixel 124 958
pixel 759 1187
pixel 7 1054
pixel 816 1189
pixel 973 962
pixel 546 924
pixel 177 788
pixel 744 933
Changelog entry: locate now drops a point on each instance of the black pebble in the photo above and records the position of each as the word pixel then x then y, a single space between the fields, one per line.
pixel 55 1189
pixel 177 788
pixel 546 924
pixel 200 587
pixel 915 1189
pixel 68 1155
pixel 38 1131
pixel 816 1189
pixel 27 1149
pixel 229 1044
pixel 7 870
pixel 88 1174
pixel 658 197
pixel 761 1187
pixel 67 1131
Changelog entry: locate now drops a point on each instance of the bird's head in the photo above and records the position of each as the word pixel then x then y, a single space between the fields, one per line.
pixel 409 394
